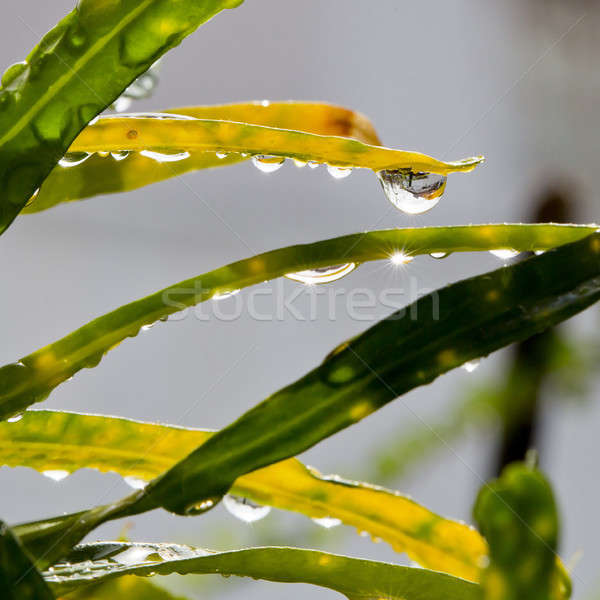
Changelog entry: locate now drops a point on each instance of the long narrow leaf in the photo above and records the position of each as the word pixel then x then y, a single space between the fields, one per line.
pixel 33 377
pixel 19 579
pixel 352 577
pixel 46 100
pixel 473 318
pixel 120 172
pixel 140 133
pixel 60 443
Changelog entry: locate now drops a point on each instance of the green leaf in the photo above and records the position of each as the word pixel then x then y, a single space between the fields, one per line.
pixel 473 318
pixel 518 517
pixel 128 587
pixel 47 100
pixel 33 377
pixel 106 174
pixel 58 441
pixel 19 579
pixel 352 577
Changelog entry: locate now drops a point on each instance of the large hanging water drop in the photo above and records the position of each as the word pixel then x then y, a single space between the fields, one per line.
pixel 245 510
pixel 268 164
pixel 72 159
pixel 412 193
pixel 322 274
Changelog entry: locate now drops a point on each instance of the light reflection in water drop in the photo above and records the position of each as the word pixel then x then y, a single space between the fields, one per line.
pixel 322 274
pixel 471 365
pixel 162 157
pixel 268 164
pixel 412 193
pixel 328 522
pixel 339 172
pixel 72 159
pixel 504 253
pixel 55 475
pixel 245 510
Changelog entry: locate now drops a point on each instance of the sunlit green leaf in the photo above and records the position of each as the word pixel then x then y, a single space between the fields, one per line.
pixel 58 442
pixel 63 84
pixel 352 577
pixel 518 517
pixel 19 579
pixel 119 172
pixel 33 377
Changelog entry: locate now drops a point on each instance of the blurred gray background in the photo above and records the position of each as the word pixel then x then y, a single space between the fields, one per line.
pixel 516 81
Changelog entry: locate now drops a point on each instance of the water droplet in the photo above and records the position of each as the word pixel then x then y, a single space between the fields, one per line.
pixel 162 157
pixel 412 193
pixel 539 252
pixel 134 555
pixel 299 163
pixel 267 164
pixel 322 274
pixel 328 522
pixel 313 164
pixel 339 172
pixel 150 115
pixel 245 510
pixel 122 155
pixel 121 104
pixel 72 159
pixel 222 154
pixel 137 483
pixel 197 508
pixel 265 103
pixel 56 475
pixel 504 253
pixel 15 419
pixel 222 295
pixel 471 365
pixel 400 258
pixel 103 153
pixel 439 254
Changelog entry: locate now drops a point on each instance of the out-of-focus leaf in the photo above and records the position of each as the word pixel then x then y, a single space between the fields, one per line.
pixel 33 377
pixel 121 172
pixel 128 587
pixel 518 517
pixel 47 99
pixel 19 579
pixel 352 577
pixel 144 450
pixel 461 322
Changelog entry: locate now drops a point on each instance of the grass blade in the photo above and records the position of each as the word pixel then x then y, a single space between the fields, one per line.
pixel 107 175
pixel 33 377
pixel 73 441
pixel 19 579
pixel 355 578
pixel 46 100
